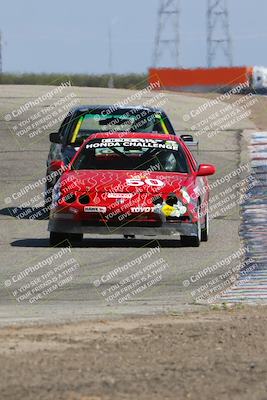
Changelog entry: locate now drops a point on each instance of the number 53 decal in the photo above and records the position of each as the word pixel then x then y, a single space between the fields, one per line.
pixel 139 182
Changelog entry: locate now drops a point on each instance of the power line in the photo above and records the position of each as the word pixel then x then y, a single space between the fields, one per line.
pixel 218 32
pixel 168 32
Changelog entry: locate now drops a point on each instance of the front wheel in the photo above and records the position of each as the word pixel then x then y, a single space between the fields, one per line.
pixel 59 239
pixel 193 241
pixel 65 239
pixel 75 238
pixel 48 199
pixel 190 241
pixel 205 229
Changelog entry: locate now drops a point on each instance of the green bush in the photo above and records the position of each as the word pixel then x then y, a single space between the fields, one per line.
pixel 127 81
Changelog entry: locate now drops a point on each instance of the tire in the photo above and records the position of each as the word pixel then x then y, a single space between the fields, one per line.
pixel 48 198
pixel 75 238
pixel 205 230
pixel 58 238
pixel 192 241
pixel 46 209
pixel 47 204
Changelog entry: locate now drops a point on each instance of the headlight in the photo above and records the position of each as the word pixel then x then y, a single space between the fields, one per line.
pixel 70 198
pixel 157 200
pixel 171 199
pixel 84 199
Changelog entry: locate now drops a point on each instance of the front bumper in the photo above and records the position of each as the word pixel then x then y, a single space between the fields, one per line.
pixel 166 228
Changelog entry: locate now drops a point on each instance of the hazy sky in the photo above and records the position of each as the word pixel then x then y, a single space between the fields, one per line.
pixel 72 35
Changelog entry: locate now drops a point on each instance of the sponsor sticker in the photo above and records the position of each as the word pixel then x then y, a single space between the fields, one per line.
pixel 95 209
pixel 120 195
pixel 142 209
pixel 134 142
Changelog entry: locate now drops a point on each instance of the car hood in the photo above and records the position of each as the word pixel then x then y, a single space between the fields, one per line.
pixel 125 181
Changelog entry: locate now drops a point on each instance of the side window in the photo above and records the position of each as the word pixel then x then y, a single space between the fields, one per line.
pixel 63 128
pixel 192 160
pixel 63 124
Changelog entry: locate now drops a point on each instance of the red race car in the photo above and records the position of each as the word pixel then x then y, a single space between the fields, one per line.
pixel 132 184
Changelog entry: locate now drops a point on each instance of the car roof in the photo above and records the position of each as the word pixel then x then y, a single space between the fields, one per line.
pixel 135 135
pixel 114 107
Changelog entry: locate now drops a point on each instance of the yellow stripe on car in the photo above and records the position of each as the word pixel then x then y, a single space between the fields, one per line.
pixel 76 131
pixel 164 127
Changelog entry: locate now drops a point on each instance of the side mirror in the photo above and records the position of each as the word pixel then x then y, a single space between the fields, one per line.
pixel 54 137
pixel 189 141
pixel 187 138
pixel 56 165
pixel 206 169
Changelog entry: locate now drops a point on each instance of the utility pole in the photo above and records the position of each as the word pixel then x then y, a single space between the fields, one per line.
pixel 110 59
pixel 218 32
pixel 1 62
pixel 167 38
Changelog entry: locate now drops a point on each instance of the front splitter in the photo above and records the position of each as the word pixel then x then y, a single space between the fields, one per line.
pixel 168 229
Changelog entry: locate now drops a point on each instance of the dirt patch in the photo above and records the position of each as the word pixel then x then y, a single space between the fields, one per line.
pixel 211 355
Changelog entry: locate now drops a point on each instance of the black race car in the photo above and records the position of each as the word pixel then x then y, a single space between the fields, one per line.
pixel 83 121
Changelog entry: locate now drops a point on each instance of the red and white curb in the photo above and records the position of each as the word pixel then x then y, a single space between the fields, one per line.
pixel 252 287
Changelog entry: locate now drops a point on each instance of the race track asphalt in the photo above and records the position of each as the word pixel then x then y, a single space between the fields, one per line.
pixel 24 242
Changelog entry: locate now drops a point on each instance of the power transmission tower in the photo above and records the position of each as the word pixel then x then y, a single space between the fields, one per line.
pixel 168 32
pixel 218 32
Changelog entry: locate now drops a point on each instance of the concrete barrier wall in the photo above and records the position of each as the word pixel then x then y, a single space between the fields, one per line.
pixel 200 79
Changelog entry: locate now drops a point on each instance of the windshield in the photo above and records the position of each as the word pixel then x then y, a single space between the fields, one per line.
pixel 132 154
pixel 130 121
